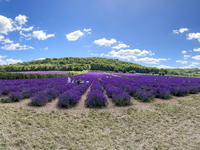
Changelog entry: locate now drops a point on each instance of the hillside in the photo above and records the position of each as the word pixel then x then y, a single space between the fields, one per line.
pixel 79 64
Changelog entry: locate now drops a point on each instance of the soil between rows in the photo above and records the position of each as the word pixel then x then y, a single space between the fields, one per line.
pixel 111 108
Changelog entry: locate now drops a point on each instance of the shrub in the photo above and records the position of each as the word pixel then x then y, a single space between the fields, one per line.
pixel 6 100
pixel 15 96
pixel 40 99
pixel 96 99
pixel 69 98
pixel 122 99
pixel 144 95
pixel 52 94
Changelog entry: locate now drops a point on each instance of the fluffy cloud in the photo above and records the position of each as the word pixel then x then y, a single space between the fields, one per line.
pixel 102 54
pixel 129 53
pixel 184 52
pixel 182 62
pixel 5 25
pixel 104 42
pixel 46 48
pixel 88 31
pixel 181 30
pixel 192 36
pixel 196 49
pixel 73 36
pixel 25 35
pixel 40 35
pixel 13 61
pixel 2 57
pixel 193 64
pixel 148 60
pixel 121 45
pixel 164 66
pixel 94 54
pixel 21 19
pixel 1 37
pixel 16 46
pixel 27 29
pixel 40 58
pixel 197 57
pixel 7 40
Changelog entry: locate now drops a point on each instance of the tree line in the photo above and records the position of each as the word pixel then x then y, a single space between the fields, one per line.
pixel 80 64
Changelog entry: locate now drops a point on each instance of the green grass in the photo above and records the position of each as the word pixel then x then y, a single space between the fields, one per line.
pixel 169 127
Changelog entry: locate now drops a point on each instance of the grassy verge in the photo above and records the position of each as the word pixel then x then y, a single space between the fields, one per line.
pixel 170 127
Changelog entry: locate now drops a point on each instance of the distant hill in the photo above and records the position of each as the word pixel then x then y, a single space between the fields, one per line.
pixel 79 64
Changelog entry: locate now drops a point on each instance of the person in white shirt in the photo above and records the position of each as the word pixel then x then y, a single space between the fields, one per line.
pixel 69 80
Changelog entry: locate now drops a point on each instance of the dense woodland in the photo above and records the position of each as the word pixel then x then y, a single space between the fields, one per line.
pixel 80 64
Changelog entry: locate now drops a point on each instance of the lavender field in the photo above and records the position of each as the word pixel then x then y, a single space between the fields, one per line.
pixel 123 111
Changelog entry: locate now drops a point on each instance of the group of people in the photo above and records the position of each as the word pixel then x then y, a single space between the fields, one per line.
pixel 78 81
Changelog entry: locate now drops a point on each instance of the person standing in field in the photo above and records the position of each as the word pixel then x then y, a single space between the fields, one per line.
pixel 68 80
pixel 99 79
pixel 72 80
pixel 78 81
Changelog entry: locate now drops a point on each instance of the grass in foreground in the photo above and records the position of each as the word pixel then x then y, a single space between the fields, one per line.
pixel 170 127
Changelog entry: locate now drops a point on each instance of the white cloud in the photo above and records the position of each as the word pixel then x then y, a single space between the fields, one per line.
pixel 2 56
pixel 16 46
pixel 184 52
pixel 102 54
pixel 193 64
pixel 1 37
pixel 129 53
pixel 11 46
pixel 190 50
pixel 21 19
pixel 175 32
pixel 5 24
pixel 121 45
pixel 13 61
pixel 40 35
pixel 186 56
pixel 191 36
pixel 164 66
pixel 40 58
pixel 25 47
pixel 27 29
pixel 94 54
pixel 196 49
pixel 25 35
pixel 87 30
pixel 197 57
pixel 182 62
pixel 181 30
pixel 148 60
pixel 73 36
pixel 46 48
pixel 7 40
pixel 104 42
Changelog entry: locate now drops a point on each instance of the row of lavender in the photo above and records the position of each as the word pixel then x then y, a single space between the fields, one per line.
pixel 40 91
pixel 144 87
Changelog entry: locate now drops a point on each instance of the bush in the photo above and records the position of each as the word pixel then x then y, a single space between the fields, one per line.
pixel 69 98
pixel 132 71
pixel 52 94
pixel 96 99
pixel 144 95
pixel 6 100
pixel 40 99
pixel 15 96
pixel 122 99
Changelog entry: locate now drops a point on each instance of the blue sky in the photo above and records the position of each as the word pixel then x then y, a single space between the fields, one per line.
pixel 156 33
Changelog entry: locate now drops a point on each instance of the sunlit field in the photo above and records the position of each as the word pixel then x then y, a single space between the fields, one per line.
pixel 123 111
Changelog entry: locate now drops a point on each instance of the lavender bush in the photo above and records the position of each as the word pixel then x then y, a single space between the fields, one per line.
pixel 96 99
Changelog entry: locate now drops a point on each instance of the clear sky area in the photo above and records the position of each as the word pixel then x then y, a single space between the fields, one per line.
pixel 160 33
